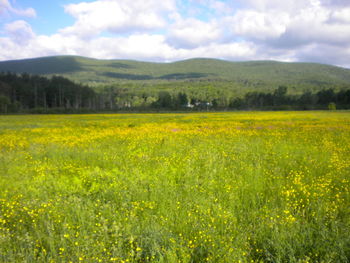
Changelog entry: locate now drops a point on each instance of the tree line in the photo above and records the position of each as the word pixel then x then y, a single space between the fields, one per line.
pixel 32 93
pixel 280 100
pixel 24 92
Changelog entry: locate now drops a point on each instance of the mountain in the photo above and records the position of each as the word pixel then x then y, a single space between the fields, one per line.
pixel 258 73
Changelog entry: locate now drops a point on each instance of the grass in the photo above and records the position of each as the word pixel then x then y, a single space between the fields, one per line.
pixel 206 187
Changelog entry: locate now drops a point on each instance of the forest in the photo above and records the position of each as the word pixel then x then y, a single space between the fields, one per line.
pixel 25 93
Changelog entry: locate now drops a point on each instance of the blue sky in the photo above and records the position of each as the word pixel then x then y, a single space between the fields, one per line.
pixel 50 15
pixel 170 30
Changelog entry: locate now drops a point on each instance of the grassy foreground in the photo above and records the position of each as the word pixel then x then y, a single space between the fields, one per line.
pixel 214 187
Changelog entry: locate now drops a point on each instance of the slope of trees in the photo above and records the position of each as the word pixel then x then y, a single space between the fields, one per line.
pixel 24 92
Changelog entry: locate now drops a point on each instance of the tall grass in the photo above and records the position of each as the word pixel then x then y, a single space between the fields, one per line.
pixel 216 187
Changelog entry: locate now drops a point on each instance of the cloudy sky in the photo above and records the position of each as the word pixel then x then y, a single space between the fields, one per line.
pixel 170 30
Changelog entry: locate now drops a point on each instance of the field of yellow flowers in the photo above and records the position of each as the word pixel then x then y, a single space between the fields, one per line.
pixel 205 187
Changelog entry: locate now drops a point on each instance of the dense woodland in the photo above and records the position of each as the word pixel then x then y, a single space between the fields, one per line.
pixel 33 93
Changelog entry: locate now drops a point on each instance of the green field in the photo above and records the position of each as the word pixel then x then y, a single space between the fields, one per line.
pixel 206 187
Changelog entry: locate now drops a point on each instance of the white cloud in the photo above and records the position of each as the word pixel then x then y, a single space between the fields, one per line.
pixel 220 7
pixel 258 25
pixel 324 53
pixel 276 5
pixel 337 3
pixel 7 8
pixel 231 51
pixel 191 33
pixel 138 46
pixel 292 28
pixel 19 31
pixel 316 25
pixel 150 47
pixel 340 16
pixel 300 30
pixel 155 48
pixel 117 16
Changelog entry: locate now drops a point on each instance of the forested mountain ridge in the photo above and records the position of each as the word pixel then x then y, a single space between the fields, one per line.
pixel 259 73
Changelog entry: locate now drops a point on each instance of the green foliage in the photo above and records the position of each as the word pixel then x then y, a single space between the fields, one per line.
pixel 4 103
pixel 181 100
pixel 132 85
pixel 244 74
pixel 332 106
pixel 29 92
pixel 279 99
pixel 164 100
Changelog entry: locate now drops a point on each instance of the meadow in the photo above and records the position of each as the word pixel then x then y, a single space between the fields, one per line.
pixel 204 187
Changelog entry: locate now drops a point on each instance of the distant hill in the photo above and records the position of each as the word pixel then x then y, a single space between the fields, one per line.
pixel 259 73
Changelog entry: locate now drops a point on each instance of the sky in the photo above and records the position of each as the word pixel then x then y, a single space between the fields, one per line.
pixel 171 30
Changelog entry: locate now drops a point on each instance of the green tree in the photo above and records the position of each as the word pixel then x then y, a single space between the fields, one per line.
pixel 181 100
pixel 237 103
pixel 164 100
pixel 4 103
pixel 325 96
pixel 332 106
pixel 279 95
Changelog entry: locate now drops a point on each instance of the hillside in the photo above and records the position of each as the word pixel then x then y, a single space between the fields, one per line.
pixel 256 73
pixel 197 84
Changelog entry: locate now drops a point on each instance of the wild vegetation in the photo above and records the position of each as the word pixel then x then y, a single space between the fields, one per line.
pixel 205 187
pixel 37 94
pixel 80 84
pixel 68 83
